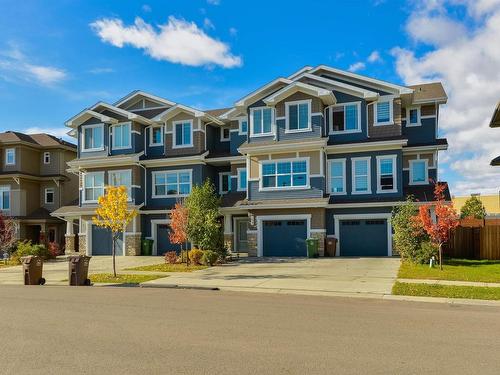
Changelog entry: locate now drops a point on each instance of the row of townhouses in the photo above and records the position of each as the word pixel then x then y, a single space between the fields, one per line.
pixel 321 153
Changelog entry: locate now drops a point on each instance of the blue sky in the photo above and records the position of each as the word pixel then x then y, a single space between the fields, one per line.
pixel 55 60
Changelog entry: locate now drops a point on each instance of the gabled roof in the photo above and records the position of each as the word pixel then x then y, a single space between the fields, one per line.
pixel 41 140
pixel 127 114
pixel 496 161
pixel 134 95
pixel 341 86
pixel 305 69
pixel 232 113
pixel 87 114
pixel 495 119
pixel 325 95
pixel 179 108
pixel 217 112
pixel 428 92
pixel 262 91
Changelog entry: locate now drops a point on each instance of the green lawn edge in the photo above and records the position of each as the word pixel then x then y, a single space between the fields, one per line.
pixel 446 291
pixel 108 278
pixel 166 267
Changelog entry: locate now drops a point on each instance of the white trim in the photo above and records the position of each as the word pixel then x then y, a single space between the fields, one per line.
pixel 384 99
pixel 268 134
pixel 115 171
pixel 240 120
pixel 353 175
pixel 166 195
pixel 221 177
pixel 153 98
pixel 335 132
pixel 342 87
pixel 284 188
pixel 85 174
pixel 344 176
pixel 50 190
pixel 419 117
pixel 7 151
pixel 387 216
pixel 243 101
pixel 410 178
pixel 151 142
pixel 326 96
pixel 46 157
pixel 236 220
pixel 260 234
pixel 92 126
pixel 239 170
pixel 222 128
pixel 154 232
pixel 394 159
pixel 365 146
pixel 287 116
pixel 112 135
pixel 174 130
pixel 305 144
pixel 5 188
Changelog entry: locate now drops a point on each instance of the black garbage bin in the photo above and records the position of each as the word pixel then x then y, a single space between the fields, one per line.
pixel 32 270
pixel 78 270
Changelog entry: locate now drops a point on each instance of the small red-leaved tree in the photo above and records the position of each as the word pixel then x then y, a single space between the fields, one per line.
pixel 446 219
pixel 8 231
pixel 178 225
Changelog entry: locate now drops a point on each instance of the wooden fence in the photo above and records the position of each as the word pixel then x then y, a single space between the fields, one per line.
pixel 481 242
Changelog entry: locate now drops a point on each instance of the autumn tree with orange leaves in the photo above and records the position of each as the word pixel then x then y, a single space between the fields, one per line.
pixel 446 221
pixel 178 225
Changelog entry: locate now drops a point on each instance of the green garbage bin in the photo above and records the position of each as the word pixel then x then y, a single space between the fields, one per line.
pixel 147 247
pixel 312 247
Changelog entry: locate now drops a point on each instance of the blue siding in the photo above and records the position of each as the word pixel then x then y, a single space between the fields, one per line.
pixel 316 132
pixel 236 141
pixel 93 153
pixel 153 151
pixel 214 144
pixel 426 133
pixel 331 212
pixel 316 191
pixel 350 137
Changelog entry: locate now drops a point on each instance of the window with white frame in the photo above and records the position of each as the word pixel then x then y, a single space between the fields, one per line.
pixel 419 172
pixel 224 133
pixel 93 137
pixel 337 177
pixel 261 120
pixel 242 179
pixel 298 115
pixel 243 126
pixel 183 133
pixel 413 117
pixel 386 174
pixel 10 156
pixel 49 195
pixel 4 197
pixel 171 183
pixel 93 186
pixel 361 176
pixel 285 174
pixel 156 136
pixel 383 112
pixel 121 178
pixel 224 182
pixel 345 118
pixel 46 158
pixel 121 136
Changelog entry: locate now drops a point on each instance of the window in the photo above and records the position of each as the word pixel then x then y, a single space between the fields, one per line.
pixel 413 117
pixel 383 112
pixel 122 178
pixel 156 136
pixel 261 121
pixel 243 126
pixel 183 134
pixel 386 174
pixel 49 195
pixel 4 198
pixel 242 179
pixel 298 116
pixel 284 174
pixel 46 158
pixel 10 156
pixel 419 172
pixel 345 118
pixel 121 136
pixel 93 137
pixel 171 184
pixel 224 134
pixel 337 177
pixel 361 177
pixel 93 186
pixel 224 182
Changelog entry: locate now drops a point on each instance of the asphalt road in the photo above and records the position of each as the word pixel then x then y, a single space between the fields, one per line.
pixel 63 330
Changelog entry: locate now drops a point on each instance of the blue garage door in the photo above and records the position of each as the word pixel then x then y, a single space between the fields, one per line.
pixel 102 242
pixel 363 238
pixel 284 238
pixel 163 244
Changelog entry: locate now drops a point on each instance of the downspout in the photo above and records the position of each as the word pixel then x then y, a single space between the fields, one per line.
pixel 145 183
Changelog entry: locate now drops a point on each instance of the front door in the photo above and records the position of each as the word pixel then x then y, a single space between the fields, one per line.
pixel 241 236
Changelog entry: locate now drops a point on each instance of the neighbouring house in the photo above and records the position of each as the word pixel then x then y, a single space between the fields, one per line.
pixel 34 182
pixel 320 153
pixel 495 123
pixel 491 202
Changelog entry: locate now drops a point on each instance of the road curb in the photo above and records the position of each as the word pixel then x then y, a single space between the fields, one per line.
pixel 175 286
pixel 444 300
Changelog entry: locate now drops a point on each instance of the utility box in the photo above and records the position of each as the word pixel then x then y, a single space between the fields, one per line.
pixel 32 270
pixel 330 246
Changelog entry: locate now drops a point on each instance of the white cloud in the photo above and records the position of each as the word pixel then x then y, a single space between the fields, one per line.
pixel 435 30
pixel 357 66
pixel 207 24
pixel 101 70
pixel 374 57
pixel 59 132
pixel 177 41
pixel 468 67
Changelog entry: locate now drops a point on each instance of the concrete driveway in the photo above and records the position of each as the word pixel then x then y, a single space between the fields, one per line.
pixel 346 276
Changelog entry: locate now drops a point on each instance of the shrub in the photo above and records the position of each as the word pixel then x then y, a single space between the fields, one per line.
pixel 26 248
pixel 181 258
pixel 426 252
pixel 54 249
pixel 209 257
pixel 195 256
pixel 473 207
pixel 171 257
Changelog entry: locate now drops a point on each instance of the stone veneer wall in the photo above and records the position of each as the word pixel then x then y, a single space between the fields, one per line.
pixel 69 243
pixel 228 242
pixel 321 237
pixel 82 244
pixel 133 244
pixel 252 243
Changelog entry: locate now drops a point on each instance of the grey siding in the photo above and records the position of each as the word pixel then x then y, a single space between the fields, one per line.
pixel 330 214
pixel 316 191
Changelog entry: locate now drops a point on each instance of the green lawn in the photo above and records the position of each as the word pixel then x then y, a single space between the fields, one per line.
pixel 454 269
pixel 8 264
pixel 122 278
pixel 448 291
pixel 165 267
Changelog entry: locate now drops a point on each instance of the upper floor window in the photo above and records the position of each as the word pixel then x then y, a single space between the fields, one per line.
pixel 413 117
pixel 183 133
pixel 242 179
pixel 337 177
pixel 4 197
pixel 93 137
pixel 224 133
pixel 10 156
pixel 171 184
pixel 383 112
pixel 243 126
pixel 121 178
pixel 121 136
pixel 93 186
pixel 156 136
pixel 261 120
pixel 224 182
pixel 46 158
pixel 386 174
pixel 419 173
pixel 345 118
pixel 298 116
pixel 49 195
pixel 284 174
pixel 361 176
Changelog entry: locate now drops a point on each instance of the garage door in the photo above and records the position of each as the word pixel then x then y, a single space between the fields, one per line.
pixel 363 238
pixel 284 238
pixel 102 242
pixel 163 244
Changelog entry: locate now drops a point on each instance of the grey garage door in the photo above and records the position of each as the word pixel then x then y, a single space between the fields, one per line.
pixel 102 242
pixel 163 244
pixel 284 238
pixel 363 237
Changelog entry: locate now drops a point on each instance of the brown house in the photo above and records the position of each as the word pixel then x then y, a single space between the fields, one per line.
pixel 34 182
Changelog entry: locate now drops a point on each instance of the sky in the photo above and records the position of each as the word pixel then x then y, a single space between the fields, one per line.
pixel 58 57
